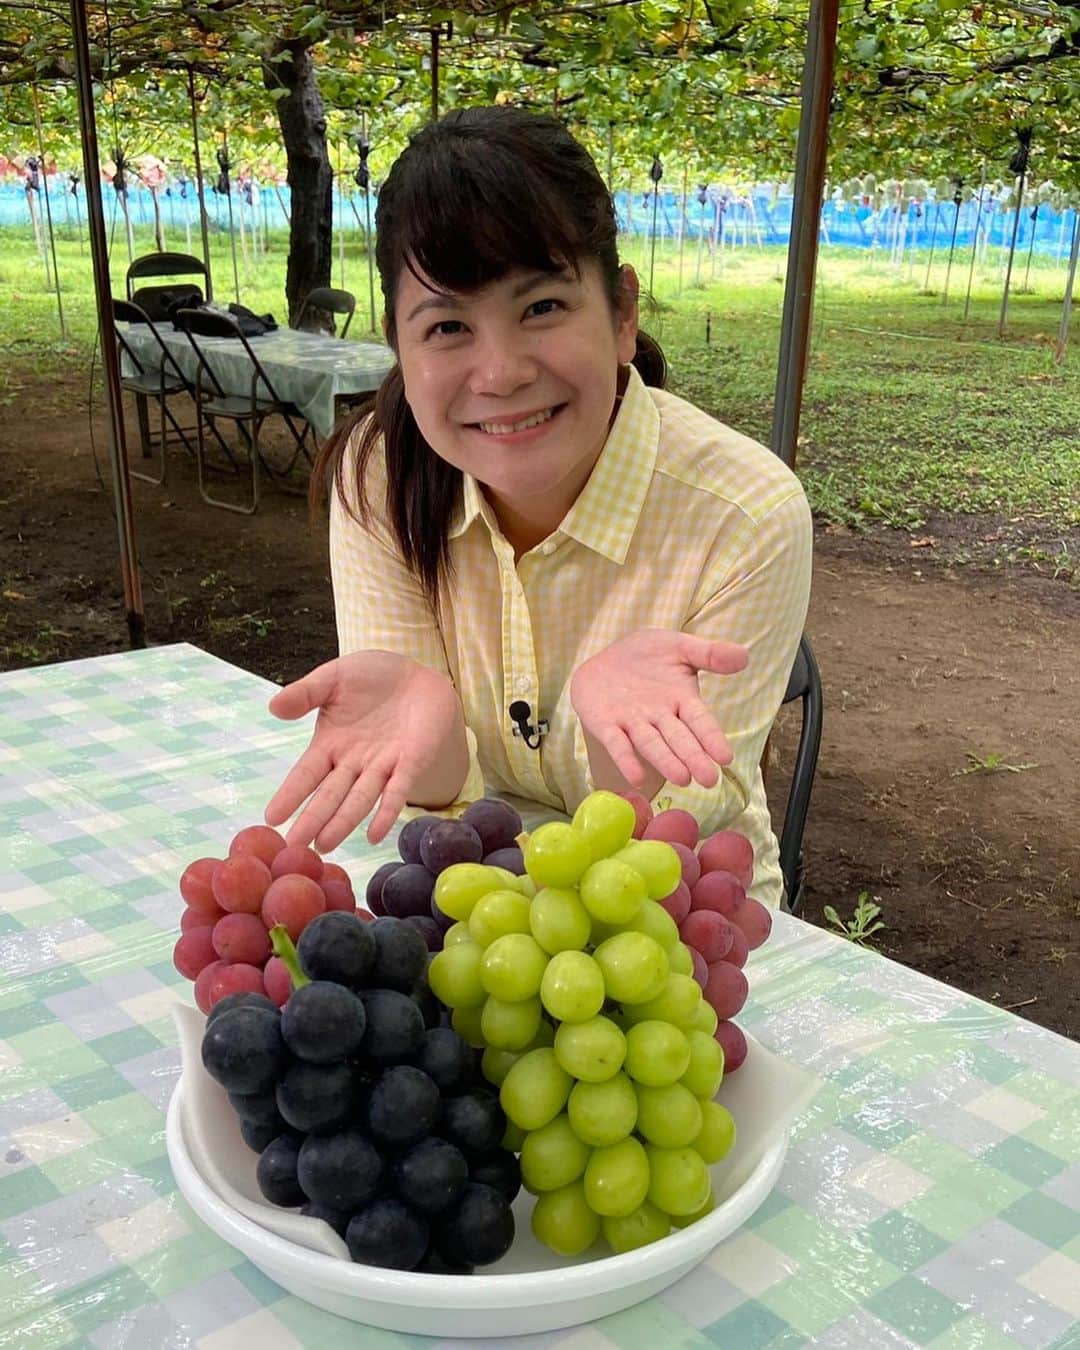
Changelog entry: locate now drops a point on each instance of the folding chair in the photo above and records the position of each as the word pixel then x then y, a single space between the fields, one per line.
pixel 804 684
pixel 330 301
pixel 248 412
pixel 145 382
pixel 158 300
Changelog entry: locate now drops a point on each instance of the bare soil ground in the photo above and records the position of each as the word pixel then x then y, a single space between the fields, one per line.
pixel 947 788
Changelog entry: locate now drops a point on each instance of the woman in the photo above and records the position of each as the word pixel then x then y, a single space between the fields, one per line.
pixel 527 519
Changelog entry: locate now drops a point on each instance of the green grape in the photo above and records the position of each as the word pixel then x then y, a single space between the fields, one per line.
pixel 535 1090
pixel 556 855
pixel 526 886
pixel 510 1026
pixel 458 932
pixel 545 1035
pixel 626 1232
pixel 657 862
pixel 612 891
pixel 592 1051
pixel 680 960
pixel 632 964
pixel 657 1053
pixel 677 1002
pixel 558 920
pixel 513 1138
pixel 466 1022
pixel 572 988
pixel 654 919
pixel 717 1134
pixel 496 1064
pixel 705 1072
pixel 498 913
pixel 617 1177
pixel 705 1019
pixel 669 1117
pixel 563 1221
pixel 552 1156
pixel 603 1113
pixel 606 820
pixel 454 975
pixel 685 1220
pixel 679 1180
pixel 458 887
pixel 513 967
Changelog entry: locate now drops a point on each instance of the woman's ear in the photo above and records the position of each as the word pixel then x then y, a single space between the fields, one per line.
pixel 627 314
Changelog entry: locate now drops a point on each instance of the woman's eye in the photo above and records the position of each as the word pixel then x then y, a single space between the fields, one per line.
pixel 541 307
pixel 446 328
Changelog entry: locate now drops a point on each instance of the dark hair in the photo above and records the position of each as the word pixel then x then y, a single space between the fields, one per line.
pixel 473 196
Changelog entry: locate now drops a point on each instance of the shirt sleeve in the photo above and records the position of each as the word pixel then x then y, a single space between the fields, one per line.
pixel 379 604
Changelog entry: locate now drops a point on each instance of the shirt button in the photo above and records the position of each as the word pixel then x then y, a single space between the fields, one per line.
pixel 549 548
pixel 523 684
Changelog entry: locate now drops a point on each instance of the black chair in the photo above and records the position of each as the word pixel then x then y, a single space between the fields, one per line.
pixel 805 685
pixel 330 301
pixel 249 411
pixel 157 301
pixel 160 382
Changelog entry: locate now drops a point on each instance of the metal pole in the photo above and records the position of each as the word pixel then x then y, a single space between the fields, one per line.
pixel 434 74
pixel 682 223
pixel 957 201
pixel 1066 311
pixel 223 160
pixel 975 240
pixel 370 256
pixel 129 558
pixel 806 222
pixel 48 210
pixel 1012 249
pixel 203 218
pixel 1031 247
pixel 933 241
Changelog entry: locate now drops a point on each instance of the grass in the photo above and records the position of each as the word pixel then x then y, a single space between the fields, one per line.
pixel 909 411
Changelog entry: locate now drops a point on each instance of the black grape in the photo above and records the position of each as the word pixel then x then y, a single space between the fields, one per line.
pixel 373 892
pixel 511 859
pixel 243 1049
pixel 337 1220
pixel 474 1122
pixel 337 946
pixel 276 1172
pixel 411 833
pixel 401 954
pixel 500 1170
pixel 448 842
pixel 323 1022
pixel 318 1096
pixel 431 1176
pixel 403 1106
pixel 395 1027
pixel 428 929
pixel 243 1000
pixel 341 1171
pixel 496 822
pixel 408 891
pixel 446 1058
pixel 479 1229
pixel 387 1233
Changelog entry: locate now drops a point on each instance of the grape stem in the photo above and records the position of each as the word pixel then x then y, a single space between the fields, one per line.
pixel 283 947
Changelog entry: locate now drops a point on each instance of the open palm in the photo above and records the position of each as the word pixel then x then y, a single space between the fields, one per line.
pixel 383 720
pixel 639 698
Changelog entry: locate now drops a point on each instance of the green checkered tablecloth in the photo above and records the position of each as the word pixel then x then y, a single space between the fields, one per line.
pixel 931 1196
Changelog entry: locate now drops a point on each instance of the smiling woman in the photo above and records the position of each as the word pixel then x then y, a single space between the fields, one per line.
pixel 521 518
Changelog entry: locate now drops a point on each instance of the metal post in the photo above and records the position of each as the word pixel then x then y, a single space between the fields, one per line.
pixel 1066 311
pixel 975 240
pixel 48 210
pixel 435 74
pixel 1018 166
pixel 958 199
pixel 806 222
pixel 199 188
pixel 129 558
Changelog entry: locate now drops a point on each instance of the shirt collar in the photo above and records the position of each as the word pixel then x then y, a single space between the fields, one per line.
pixel 607 510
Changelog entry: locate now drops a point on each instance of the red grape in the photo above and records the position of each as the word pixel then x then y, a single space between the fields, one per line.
pixel 726 989
pixel 709 932
pixel 740 949
pixel 677 903
pixel 277 980
pixel 202 985
pixel 297 860
pixel 260 841
pixel 408 891
pixel 428 929
pixel 728 851
pixel 448 842
pixel 733 1044
pixel 193 951
pixel 754 920
pixel 338 895
pixel 701 966
pixel 293 901
pixel 242 937
pixel 495 821
pixel 199 918
pixel 510 859
pixel 195 884
pixel 335 872
pixel 674 827
pixel 235 978
pixel 363 914
pixel 691 868
pixel 718 891
pixel 642 811
pixel 240 883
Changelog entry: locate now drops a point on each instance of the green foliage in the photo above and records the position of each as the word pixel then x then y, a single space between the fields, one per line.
pixel 862 925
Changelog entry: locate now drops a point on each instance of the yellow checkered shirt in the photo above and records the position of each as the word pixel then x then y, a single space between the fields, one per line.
pixel 684 524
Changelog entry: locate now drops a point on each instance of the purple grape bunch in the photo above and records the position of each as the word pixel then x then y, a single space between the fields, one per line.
pixel 485 832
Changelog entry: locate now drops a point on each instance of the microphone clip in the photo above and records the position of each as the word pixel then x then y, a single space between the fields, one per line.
pixel 520 713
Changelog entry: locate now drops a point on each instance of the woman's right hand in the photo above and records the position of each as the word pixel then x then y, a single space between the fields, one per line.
pixel 385 725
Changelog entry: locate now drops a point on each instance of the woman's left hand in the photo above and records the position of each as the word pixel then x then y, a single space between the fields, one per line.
pixel 639 699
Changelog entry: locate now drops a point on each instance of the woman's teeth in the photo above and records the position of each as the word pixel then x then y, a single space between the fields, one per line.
pixel 505 428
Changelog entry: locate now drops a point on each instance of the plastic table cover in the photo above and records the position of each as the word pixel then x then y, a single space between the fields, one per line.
pixel 931 1196
pixel 309 369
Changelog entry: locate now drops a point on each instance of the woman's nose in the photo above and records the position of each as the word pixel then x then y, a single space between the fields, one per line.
pixel 501 367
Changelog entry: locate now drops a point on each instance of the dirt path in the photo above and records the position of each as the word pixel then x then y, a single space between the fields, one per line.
pixel 976 869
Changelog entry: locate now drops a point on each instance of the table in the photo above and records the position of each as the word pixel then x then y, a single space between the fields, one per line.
pixel 931 1196
pixel 311 370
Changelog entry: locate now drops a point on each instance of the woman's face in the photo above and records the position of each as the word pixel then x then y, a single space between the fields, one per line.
pixel 515 383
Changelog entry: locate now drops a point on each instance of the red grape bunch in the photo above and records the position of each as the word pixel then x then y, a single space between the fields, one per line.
pixel 365 1111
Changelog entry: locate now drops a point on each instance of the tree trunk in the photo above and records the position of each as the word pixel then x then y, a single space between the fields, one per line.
pixel 303 129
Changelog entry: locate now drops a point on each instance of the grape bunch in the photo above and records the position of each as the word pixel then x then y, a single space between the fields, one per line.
pixel 592 1026
pixel 233 902
pixel 486 831
pixel 717 920
pixel 365 1111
